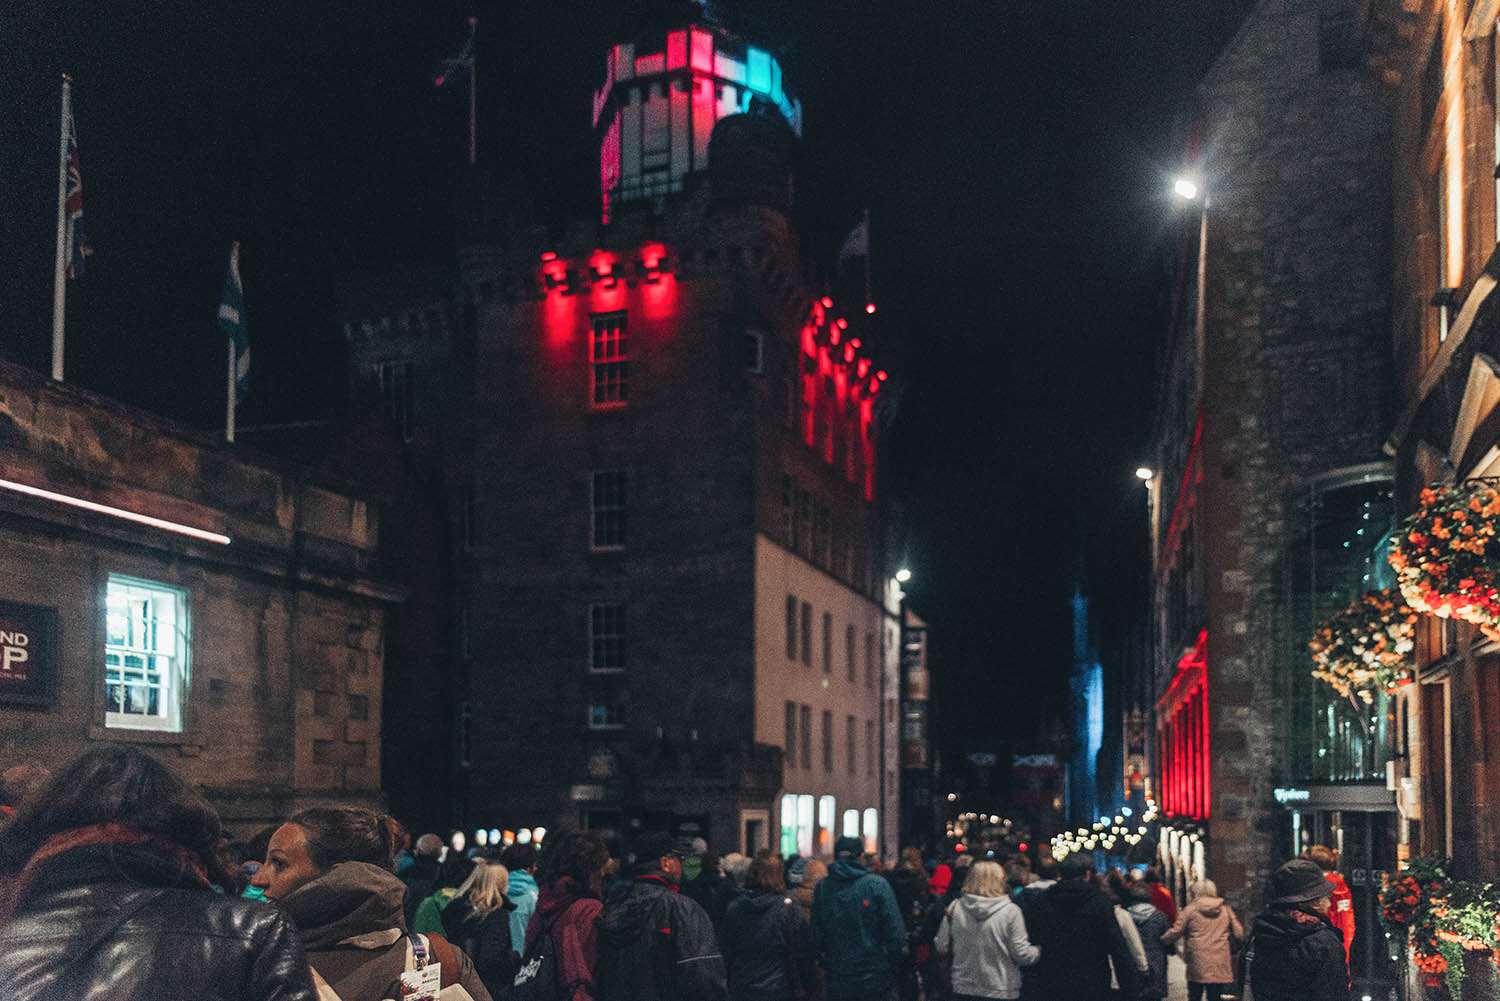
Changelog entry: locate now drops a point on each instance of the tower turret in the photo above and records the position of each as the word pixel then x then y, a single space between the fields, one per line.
pixel 659 102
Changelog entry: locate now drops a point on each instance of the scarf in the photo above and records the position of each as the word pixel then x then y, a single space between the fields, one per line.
pixel 96 836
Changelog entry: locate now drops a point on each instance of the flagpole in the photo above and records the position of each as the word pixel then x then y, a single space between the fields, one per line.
pixel 473 84
pixel 229 396
pixel 60 267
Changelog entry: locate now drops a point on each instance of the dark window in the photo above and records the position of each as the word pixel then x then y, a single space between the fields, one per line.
pixel 791 734
pixel 806 735
pixel 827 643
pixel 849 652
pixel 807 628
pixel 850 740
pixel 606 638
pixel 791 627
pixel 396 393
pixel 607 501
pixel 827 740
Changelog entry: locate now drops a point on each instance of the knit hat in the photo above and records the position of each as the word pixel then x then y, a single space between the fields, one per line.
pixel 1298 882
pixel 848 847
pixel 651 846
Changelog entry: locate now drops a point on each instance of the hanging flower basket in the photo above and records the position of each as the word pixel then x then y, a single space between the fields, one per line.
pixel 1366 648
pixel 1446 554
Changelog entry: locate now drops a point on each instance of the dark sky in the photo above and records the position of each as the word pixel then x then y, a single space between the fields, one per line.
pixel 1014 155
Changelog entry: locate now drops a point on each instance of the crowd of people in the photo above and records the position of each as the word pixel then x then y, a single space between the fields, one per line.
pixel 117 882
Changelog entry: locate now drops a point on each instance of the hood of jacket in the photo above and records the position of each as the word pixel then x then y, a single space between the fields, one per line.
pixel 760 903
pixel 1144 908
pixel 1210 906
pixel 1283 929
pixel 522 884
pixel 847 871
pixel 627 911
pixel 354 903
pixel 981 909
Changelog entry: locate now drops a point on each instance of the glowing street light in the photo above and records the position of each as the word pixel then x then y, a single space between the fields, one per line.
pixel 1185 187
pixel 1144 474
pixel 903 575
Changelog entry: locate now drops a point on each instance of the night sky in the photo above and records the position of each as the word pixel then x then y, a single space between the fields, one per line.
pixel 1015 157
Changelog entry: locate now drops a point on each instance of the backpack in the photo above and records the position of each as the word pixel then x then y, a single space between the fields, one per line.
pixel 538 978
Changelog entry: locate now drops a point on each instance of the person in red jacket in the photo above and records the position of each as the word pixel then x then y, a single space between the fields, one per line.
pixel 1161 898
pixel 1342 913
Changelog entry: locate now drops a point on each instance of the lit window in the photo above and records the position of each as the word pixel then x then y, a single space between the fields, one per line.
pixel 606 639
pixel 609 365
pixel 827 817
pixel 851 824
pixel 607 503
pixel 145 654
pixel 605 716
pixel 872 829
pixel 789 825
pixel 805 824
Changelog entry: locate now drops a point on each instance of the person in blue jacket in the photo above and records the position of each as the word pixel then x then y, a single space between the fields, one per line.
pixel 857 930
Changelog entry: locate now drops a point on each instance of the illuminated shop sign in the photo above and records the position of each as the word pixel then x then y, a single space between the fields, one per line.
pixel 1292 795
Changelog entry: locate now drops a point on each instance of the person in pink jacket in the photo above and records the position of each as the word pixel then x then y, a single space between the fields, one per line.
pixel 571 874
pixel 1210 933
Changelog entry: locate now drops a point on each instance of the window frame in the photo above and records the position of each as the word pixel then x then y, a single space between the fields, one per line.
pixel 598 511
pixel 175 686
pixel 611 331
pixel 596 637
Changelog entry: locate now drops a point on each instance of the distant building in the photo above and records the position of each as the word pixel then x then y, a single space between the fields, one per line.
pixel 1270 495
pixel 160 588
pixel 662 439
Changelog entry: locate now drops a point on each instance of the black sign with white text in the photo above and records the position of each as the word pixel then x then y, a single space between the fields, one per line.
pixel 28 654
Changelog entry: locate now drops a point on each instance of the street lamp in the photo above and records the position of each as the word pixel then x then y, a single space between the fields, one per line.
pixel 1144 474
pixel 903 576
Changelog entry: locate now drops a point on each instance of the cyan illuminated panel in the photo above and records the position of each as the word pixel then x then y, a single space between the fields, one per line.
pixel 658 105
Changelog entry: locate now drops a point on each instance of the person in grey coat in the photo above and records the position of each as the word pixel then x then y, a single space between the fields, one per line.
pixel 984 932
pixel 1152 924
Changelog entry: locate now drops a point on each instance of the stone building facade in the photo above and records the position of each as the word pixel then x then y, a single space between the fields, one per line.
pixel 661 439
pixel 158 587
pixel 1276 383
pixel 1440 58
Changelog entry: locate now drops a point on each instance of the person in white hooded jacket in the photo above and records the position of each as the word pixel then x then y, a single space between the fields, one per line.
pixel 984 933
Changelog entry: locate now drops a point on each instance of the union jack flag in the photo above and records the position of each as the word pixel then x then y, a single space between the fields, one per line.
pixel 77 246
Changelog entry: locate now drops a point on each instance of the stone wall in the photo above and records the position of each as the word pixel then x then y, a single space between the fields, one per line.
pixel 281 705
pixel 1296 373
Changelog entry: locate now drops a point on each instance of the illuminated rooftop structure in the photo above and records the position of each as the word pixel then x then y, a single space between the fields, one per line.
pixel 661 99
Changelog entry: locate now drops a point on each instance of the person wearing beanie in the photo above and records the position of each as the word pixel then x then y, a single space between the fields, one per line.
pixel 654 942
pixel 857 930
pixel 1342 912
pixel 1296 952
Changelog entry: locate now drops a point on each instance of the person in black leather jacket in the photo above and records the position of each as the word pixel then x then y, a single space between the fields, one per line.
pixel 1296 952
pixel 767 950
pixel 105 892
